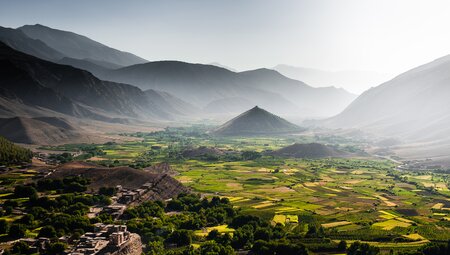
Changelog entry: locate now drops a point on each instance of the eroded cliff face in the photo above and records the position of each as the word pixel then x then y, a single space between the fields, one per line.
pixel 131 247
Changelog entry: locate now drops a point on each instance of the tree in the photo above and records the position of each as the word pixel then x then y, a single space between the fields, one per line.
pixel 107 191
pixel 436 249
pixel 56 248
pixel 243 237
pixel 4 226
pixel 342 246
pixel 250 155
pixel 17 231
pixel 358 248
pixel 213 234
pixel 262 234
pixel 25 191
pixel 155 248
pixel 314 231
pixel 13 154
pixel 20 248
pixel 47 231
pixel 213 248
pixel 282 247
pixel 180 237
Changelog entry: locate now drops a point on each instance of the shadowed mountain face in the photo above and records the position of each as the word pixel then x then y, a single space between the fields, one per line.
pixel 16 39
pixel 75 92
pixel 217 89
pixel 414 106
pixel 80 47
pixel 256 121
pixel 43 130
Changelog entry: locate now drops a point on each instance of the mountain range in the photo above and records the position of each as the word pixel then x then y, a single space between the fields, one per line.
pixel 45 72
pixel 73 91
pixel 211 89
pixel 219 90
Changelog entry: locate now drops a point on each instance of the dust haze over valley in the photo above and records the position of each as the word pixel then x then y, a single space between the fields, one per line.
pixel 210 127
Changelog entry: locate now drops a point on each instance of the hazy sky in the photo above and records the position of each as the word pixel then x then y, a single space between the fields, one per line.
pixel 385 36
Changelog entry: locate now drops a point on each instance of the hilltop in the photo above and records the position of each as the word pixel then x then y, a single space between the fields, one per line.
pixel 256 121
pixel 163 185
pixel 309 150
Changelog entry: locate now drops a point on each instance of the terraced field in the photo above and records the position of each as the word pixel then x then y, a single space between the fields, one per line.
pixel 362 198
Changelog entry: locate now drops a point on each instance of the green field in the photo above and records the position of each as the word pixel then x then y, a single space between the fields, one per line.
pixel 361 198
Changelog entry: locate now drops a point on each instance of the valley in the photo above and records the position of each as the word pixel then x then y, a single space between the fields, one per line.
pixel 234 131
pixel 350 198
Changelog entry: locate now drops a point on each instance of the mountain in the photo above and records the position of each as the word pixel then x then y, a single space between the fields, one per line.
pixel 71 91
pixel 223 66
pixel 256 121
pixel 352 80
pixel 18 40
pixel 84 64
pixel 42 130
pixel 309 150
pixel 80 47
pixel 326 101
pixel 208 85
pixel 413 106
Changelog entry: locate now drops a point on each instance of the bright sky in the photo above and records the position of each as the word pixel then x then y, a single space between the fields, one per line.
pixel 388 36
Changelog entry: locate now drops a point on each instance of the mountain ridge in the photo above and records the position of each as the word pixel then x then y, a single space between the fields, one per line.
pixel 79 46
pixel 202 84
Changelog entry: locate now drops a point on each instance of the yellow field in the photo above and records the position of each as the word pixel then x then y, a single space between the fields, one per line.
pixel 279 218
pixel 283 219
pixel 414 237
pixel 336 224
pixel 222 229
pixel 437 206
pixel 390 224
pixel 263 205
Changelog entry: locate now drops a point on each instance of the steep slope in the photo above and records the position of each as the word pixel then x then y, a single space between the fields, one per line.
pixel 170 105
pixel 80 47
pixel 203 85
pixel 11 153
pixel 72 91
pixel 413 106
pixel 17 40
pixel 256 121
pixel 309 150
pixel 84 64
pixel 43 130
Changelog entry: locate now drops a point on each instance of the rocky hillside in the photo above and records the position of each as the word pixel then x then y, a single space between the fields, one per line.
pixel 164 186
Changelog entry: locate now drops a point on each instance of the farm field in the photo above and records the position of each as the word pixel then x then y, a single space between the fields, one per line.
pixel 361 198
